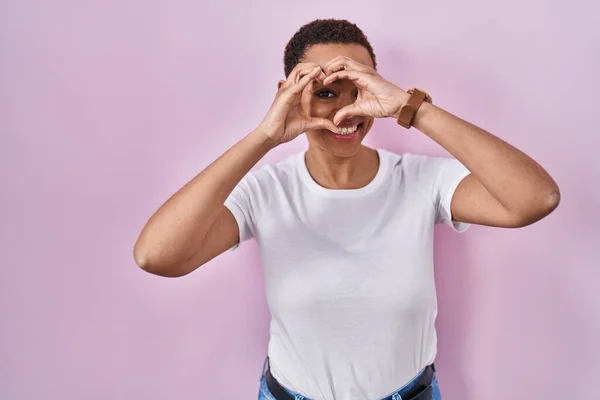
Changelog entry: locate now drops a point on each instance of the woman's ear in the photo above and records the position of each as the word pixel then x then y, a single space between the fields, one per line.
pixel 279 84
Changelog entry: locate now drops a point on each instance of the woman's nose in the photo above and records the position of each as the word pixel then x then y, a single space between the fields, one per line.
pixel 347 98
pixel 343 100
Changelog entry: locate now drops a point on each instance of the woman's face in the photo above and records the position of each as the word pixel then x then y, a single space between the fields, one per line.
pixel 325 101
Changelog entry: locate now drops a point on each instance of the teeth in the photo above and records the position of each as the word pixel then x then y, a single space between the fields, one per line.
pixel 347 131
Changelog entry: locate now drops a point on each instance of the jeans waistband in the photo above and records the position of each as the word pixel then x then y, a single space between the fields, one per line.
pixel 396 395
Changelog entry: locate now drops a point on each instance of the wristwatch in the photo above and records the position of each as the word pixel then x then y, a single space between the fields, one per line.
pixel 409 109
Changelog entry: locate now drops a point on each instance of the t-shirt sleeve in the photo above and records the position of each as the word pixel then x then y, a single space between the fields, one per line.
pixel 240 203
pixel 450 173
pixel 439 177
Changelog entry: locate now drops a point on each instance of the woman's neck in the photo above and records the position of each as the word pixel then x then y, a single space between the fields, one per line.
pixel 334 172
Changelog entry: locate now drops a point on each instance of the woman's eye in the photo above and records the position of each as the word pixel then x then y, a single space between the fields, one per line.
pixel 326 94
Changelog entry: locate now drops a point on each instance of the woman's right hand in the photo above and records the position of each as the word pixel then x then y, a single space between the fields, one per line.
pixel 285 120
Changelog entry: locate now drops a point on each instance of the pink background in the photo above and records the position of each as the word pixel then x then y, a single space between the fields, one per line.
pixel 108 107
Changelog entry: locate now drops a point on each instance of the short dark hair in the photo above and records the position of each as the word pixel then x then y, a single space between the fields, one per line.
pixel 323 31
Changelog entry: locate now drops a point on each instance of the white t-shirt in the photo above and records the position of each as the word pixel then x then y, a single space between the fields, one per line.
pixel 349 273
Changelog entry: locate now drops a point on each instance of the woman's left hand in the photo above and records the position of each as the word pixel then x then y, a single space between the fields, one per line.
pixel 376 97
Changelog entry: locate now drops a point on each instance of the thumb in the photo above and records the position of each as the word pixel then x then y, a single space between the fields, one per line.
pixel 349 111
pixel 320 123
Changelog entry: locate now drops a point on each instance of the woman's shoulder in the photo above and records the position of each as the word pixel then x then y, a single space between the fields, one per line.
pixel 277 172
pixel 399 162
pixel 421 169
pixel 413 161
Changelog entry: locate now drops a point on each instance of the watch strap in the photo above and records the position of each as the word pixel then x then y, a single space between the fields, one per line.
pixel 409 109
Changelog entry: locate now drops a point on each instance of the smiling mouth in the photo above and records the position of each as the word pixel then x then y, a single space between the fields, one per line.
pixel 348 133
pixel 348 130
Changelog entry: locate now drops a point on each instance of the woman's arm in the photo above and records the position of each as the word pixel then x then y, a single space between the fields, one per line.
pixel 506 187
pixel 194 226
pixel 171 243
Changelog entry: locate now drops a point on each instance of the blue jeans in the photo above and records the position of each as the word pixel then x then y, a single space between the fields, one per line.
pixel 264 394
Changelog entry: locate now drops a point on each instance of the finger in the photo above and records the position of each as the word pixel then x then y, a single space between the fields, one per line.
pixel 301 74
pixel 341 63
pixel 321 123
pixel 320 76
pixel 290 90
pixel 351 110
pixel 306 79
pixel 292 79
pixel 360 79
pixel 299 71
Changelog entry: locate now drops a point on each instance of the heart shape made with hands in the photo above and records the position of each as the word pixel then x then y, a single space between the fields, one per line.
pixel 377 97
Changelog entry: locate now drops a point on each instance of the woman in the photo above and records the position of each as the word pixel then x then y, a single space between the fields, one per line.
pixel 346 231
